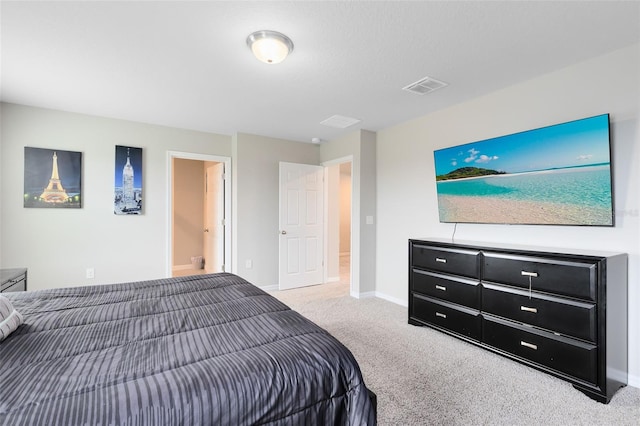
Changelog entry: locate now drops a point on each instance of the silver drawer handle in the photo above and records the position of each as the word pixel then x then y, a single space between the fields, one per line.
pixel 441 260
pixel 530 275
pixel 439 287
pixel 529 345
pixel 527 309
pixel 438 314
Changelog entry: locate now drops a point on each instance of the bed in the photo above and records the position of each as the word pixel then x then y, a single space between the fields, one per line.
pixel 198 350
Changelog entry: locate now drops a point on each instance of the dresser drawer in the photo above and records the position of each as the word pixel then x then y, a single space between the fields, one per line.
pixel 454 318
pixel 562 354
pixel 453 261
pixel 566 277
pixel 569 317
pixel 462 291
pixel 18 283
pixel 19 286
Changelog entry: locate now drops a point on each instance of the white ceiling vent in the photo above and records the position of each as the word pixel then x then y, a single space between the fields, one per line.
pixel 424 86
pixel 340 121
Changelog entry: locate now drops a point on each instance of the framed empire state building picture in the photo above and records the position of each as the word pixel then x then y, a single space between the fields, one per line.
pixel 128 181
pixel 52 178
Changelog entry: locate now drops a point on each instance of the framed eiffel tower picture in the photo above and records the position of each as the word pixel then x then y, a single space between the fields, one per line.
pixel 52 178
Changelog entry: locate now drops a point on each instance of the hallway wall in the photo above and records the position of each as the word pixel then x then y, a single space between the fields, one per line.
pixel 188 210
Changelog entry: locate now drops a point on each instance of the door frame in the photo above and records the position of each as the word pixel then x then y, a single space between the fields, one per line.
pixel 228 266
pixel 213 237
pixel 354 246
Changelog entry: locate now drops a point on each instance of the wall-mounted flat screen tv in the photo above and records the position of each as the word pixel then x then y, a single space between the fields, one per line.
pixel 556 175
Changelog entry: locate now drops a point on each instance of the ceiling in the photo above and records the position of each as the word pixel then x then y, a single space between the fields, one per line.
pixel 186 64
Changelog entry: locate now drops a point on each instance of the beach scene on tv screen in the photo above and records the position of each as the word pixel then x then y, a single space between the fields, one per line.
pixel 556 175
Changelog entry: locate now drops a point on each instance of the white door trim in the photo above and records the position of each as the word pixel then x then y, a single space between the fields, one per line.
pixel 354 286
pixel 214 215
pixel 228 266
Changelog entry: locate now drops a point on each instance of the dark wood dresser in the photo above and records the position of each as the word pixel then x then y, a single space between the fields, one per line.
pixel 13 280
pixel 562 312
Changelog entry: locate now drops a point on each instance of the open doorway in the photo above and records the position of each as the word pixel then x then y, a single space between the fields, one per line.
pixel 338 178
pixel 345 224
pixel 199 234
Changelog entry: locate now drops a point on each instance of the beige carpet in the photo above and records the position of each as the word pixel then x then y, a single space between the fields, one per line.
pixel 424 377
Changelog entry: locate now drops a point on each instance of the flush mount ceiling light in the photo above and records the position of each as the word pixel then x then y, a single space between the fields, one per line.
pixel 270 47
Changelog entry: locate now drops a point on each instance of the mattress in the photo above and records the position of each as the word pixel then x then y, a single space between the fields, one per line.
pixel 200 350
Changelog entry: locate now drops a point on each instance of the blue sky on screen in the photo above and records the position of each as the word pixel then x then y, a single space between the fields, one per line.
pixel 576 143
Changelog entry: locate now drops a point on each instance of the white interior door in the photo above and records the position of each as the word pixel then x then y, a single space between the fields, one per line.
pixel 214 218
pixel 301 225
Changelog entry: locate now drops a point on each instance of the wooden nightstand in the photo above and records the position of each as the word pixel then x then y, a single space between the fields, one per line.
pixel 13 280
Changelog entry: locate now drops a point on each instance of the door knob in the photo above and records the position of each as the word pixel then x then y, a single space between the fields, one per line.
pixel 283 232
pixel 206 229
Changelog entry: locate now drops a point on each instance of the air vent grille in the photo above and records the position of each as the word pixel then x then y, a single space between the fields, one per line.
pixel 340 121
pixel 425 85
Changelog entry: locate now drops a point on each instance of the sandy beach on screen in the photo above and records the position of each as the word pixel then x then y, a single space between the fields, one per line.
pixel 499 210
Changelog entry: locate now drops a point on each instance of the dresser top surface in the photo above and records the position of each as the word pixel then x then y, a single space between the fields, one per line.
pixel 507 246
pixel 11 273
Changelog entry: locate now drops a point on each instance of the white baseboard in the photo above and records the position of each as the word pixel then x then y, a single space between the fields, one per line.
pixel 270 287
pixel 182 267
pixel 634 381
pixel 365 295
pixel 391 299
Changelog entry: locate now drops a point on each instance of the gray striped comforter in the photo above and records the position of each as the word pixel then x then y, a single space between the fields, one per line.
pixel 203 350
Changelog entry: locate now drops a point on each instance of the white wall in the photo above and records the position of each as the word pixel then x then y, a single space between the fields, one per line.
pixel 406 197
pixel 57 245
pixel 255 201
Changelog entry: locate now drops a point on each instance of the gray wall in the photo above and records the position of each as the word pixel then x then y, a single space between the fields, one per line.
pixel 360 146
pixel 255 201
pixel 406 190
pixel 58 245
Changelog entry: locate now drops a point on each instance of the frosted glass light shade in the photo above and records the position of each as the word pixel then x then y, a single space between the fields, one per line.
pixel 270 47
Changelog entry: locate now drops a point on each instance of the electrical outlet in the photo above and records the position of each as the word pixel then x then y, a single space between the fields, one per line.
pixel 248 264
pixel 91 273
